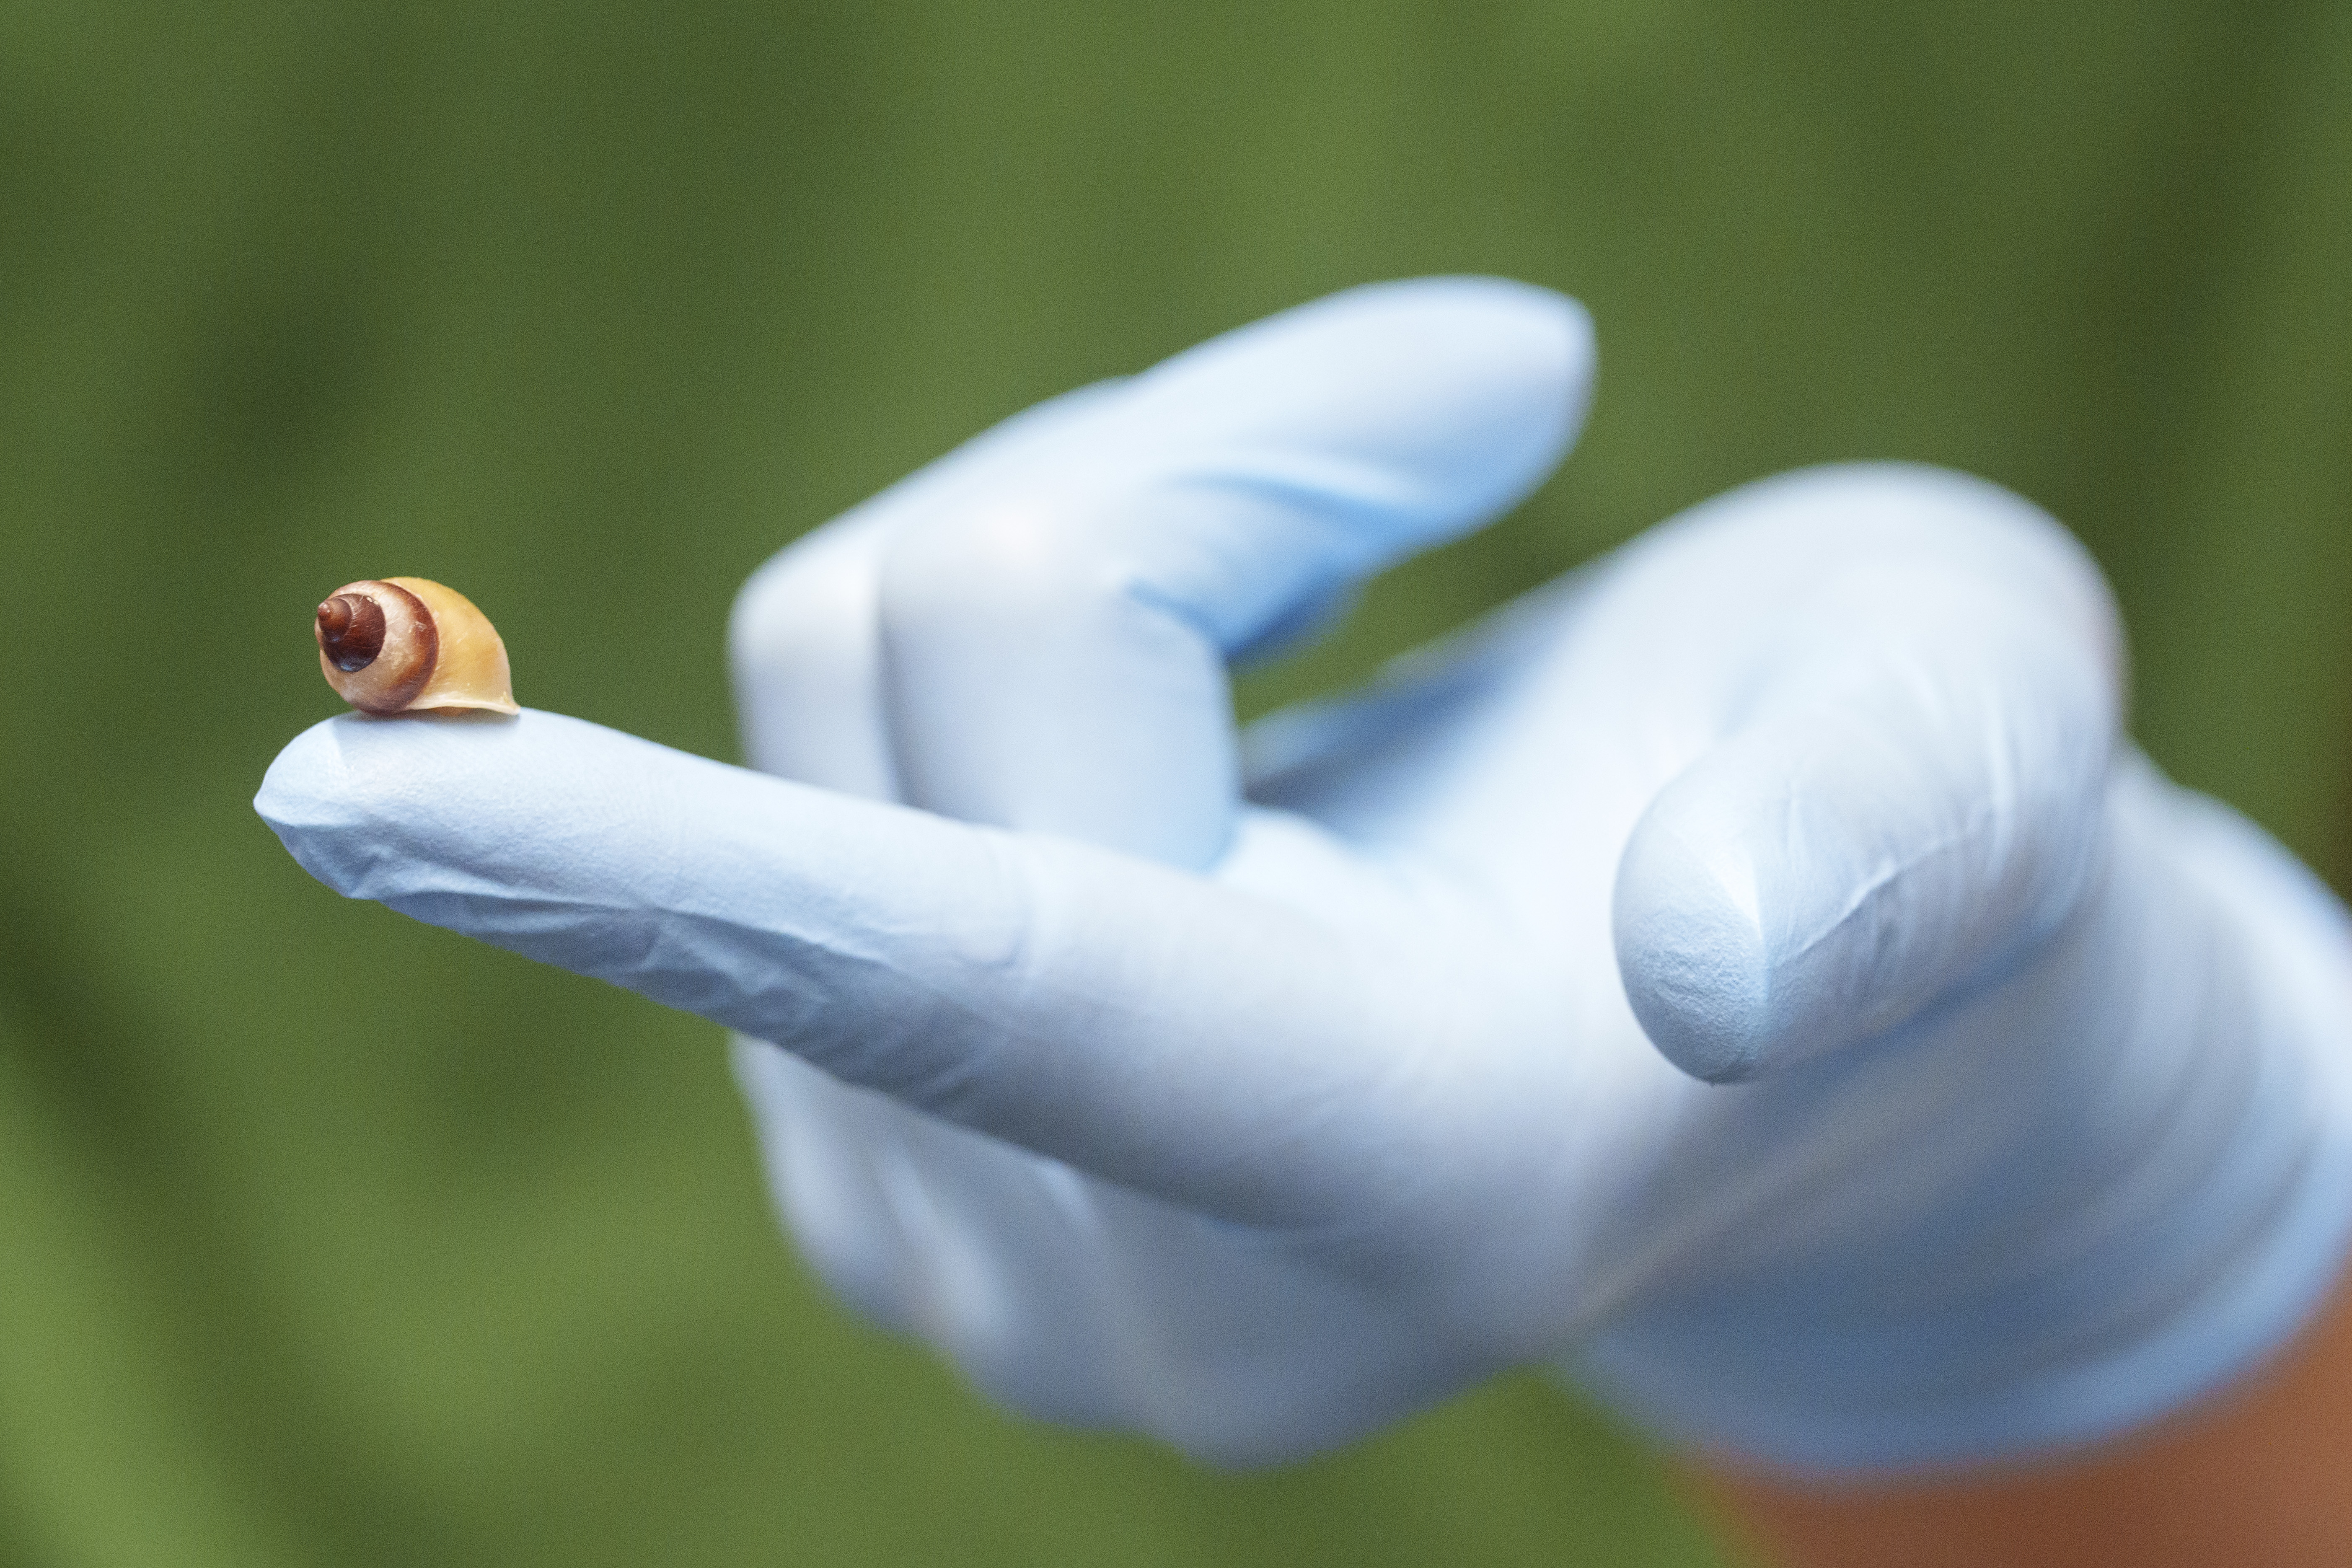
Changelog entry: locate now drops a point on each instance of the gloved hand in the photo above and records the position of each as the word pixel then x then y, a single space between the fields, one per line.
pixel 1751 972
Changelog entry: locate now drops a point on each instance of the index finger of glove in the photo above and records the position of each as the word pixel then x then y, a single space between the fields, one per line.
pixel 1139 1024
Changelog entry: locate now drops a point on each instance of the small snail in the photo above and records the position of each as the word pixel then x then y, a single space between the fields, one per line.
pixel 406 645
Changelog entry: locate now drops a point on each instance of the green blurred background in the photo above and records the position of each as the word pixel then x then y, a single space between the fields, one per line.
pixel 330 1238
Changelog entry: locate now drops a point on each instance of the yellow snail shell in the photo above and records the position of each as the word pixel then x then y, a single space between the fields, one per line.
pixel 407 645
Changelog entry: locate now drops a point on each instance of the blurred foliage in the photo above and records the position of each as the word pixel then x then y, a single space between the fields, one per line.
pixel 328 1238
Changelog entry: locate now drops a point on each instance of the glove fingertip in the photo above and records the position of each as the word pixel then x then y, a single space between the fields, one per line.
pixel 360 802
pixel 302 797
pixel 1514 363
pixel 1692 954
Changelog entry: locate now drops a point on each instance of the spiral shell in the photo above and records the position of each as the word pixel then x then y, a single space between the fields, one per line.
pixel 407 645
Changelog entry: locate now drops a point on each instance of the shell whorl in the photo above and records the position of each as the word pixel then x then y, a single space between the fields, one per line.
pixel 351 631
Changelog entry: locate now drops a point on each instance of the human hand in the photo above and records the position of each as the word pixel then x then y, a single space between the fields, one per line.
pixel 1254 1118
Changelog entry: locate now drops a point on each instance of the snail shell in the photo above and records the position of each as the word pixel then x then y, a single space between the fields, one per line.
pixel 407 645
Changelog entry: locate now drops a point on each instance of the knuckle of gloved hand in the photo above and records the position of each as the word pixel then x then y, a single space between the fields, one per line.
pixel 1012 564
pixel 806 603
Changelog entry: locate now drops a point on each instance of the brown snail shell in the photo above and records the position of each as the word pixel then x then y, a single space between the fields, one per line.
pixel 407 645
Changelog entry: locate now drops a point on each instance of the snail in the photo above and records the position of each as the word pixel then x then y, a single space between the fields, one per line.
pixel 406 644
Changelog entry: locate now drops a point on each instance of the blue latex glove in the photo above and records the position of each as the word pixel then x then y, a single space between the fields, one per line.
pixel 1998 1097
